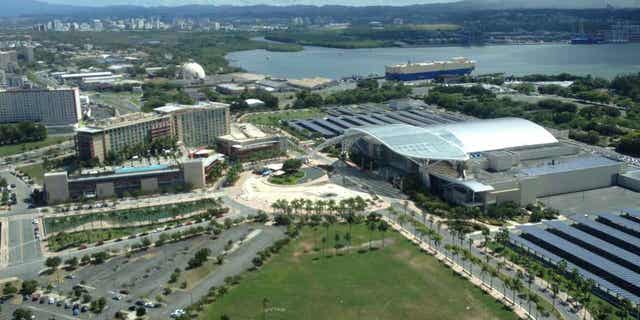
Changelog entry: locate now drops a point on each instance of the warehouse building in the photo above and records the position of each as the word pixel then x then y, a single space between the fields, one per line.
pixel 246 141
pixel 51 107
pixel 195 126
pixel 478 163
pixel 60 187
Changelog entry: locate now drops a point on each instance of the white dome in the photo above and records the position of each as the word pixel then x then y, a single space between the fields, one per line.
pixel 193 71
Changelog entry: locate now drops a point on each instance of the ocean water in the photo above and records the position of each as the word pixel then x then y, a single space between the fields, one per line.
pixel 606 60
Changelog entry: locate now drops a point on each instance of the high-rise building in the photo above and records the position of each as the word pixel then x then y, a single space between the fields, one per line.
pixel 114 135
pixel 51 107
pixel 97 25
pixel 195 126
pixel 27 53
pixel 8 60
pixel 198 125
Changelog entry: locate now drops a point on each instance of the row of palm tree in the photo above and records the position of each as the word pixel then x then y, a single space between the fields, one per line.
pixel 356 205
pixel 465 258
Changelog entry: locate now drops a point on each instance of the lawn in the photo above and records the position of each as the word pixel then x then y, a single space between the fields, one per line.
pixel 287 179
pixel 274 118
pixel 9 150
pixel 394 282
pixel 35 171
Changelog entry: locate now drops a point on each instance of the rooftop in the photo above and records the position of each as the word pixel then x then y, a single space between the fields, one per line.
pixel 570 165
pixel 119 121
pixel 455 141
pixel 172 108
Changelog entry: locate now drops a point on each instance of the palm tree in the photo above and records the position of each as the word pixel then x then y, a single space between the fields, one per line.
pixel 308 206
pixel 494 274
pixel 483 271
pixel 275 206
pixel 555 288
pixel 372 227
pixel 487 236
pixel 516 286
pixel 382 227
pixel 530 279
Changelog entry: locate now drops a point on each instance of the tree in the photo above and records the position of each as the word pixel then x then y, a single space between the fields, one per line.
pixel 9 289
pixel 53 262
pixel 29 287
pixel 22 314
pixel 72 262
pixel 292 165
pixel 97 306
pixel 141 311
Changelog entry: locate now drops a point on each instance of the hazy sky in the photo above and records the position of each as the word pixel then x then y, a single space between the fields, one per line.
pixel 245 2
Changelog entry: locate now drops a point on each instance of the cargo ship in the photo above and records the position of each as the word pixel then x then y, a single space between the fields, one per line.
pixel 430 70
pixel 584 39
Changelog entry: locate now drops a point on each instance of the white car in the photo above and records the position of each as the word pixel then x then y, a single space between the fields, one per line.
pixel 177 313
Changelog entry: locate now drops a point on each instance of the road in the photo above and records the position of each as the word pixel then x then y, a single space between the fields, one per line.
pixel 367 183
pixel 144 274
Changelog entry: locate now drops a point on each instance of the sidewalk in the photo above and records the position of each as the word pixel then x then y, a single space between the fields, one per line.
pixel 519 310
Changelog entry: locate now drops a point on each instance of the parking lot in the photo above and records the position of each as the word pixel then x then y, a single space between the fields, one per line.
pixel 593 201
pixel 129 281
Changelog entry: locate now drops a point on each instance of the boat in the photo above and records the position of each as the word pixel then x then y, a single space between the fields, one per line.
pixel 585 39
pixel 455 67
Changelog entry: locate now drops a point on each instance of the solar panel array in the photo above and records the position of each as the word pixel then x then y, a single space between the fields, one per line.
pixel 341 120
pixel 607 253
pixel 554 259
pixel 626 224
pixel 632 213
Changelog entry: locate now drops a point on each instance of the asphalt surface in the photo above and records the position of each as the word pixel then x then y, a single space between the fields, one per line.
pixel 145 274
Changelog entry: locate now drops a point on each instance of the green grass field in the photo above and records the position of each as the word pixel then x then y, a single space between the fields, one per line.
pixel 287 179
pixel 274 118
pixel 19 148
pixel 395 282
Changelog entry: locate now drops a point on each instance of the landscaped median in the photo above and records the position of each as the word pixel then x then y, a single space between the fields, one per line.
pixel 74 230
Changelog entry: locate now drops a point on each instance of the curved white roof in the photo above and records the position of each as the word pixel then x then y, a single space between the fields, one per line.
pixel 193 71
pixel 412 142
pixel 457 140
pixel 495 134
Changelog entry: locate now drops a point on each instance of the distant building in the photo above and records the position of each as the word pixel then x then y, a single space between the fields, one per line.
pixel 246 140
pixel 103 137
pixel 198 125
pixel 27 53
pixel 195 126
pixel 59 187
pixel 254 103
pixel 51 107
pixel 193 71
pixel 310 83
pixel 8 60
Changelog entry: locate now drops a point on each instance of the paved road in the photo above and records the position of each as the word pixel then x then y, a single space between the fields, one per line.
pixel 367 183
pixel 146 273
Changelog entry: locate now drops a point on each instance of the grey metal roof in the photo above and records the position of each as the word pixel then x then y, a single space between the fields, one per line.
pixel 597 242
pixel 632 212
pixel 620 221
pixel 553 258
pixel 574 164
pixel 613 269
pixel 614 233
